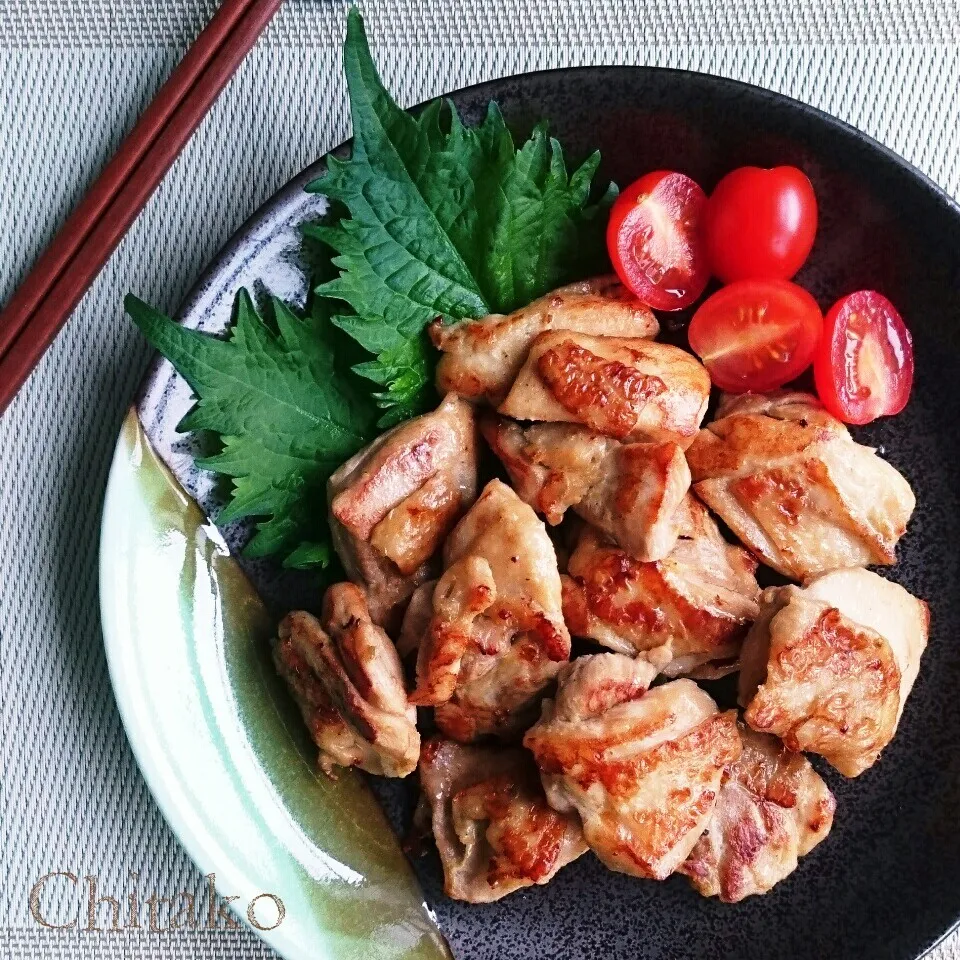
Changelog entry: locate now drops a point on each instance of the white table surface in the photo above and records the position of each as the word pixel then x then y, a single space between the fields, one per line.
pixel 74 74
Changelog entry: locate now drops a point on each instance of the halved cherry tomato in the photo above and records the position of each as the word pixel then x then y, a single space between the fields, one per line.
pixel 864 367
pixel 756 335
pixel 760 224
pixel 654 240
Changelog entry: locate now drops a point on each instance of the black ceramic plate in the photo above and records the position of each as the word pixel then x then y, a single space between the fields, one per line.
pixel 886 883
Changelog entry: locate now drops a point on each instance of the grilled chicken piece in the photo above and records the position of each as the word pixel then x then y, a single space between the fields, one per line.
pixel 393 503
pixel 681 613
pixel 497 636
pixel 828 667
pixel 416 619
pixel 630 491
pixel 794 486
pixel 773 809
pixel 493 827
pixel 625 388
pixel 347 680
pixel 481 358
pixel 642 767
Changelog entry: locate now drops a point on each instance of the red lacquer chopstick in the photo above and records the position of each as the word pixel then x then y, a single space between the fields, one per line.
pixel 41 305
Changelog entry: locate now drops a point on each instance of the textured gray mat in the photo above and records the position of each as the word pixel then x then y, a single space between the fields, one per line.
pixel 74 74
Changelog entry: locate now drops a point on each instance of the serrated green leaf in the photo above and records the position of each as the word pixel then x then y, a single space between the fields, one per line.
pixel 286 411
pixel 407 374
pixel 309 555
pixel 445 221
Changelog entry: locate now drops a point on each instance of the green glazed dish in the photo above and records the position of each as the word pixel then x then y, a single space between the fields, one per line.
pixel 223 747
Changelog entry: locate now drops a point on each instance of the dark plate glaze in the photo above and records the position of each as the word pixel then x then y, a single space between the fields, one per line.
pixel 886 883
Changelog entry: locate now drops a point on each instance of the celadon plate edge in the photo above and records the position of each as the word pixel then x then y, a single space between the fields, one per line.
pixel 220 745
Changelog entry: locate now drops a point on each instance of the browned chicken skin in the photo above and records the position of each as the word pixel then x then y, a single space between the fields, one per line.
pixel 630 491
pixel 496 636
pixel 683 612
pixel 346 677
pixel 795 488
pixel 773 809
pixel 493 827
pixel 626 388
pixel 828 668
pixel 394 502
pixel 642 767
pixel 481 358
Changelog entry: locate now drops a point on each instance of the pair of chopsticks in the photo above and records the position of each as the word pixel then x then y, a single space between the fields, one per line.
pixel 62 274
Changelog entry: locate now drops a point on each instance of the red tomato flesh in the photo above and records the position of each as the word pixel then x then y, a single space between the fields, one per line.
pixel 864 367
pixel 760 224
pixel 654 240
pixel 756 335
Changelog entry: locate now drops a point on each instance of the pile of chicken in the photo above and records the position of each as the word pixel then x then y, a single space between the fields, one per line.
pixel 542 757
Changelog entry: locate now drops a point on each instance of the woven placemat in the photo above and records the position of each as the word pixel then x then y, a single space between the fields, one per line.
pixel 74 74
